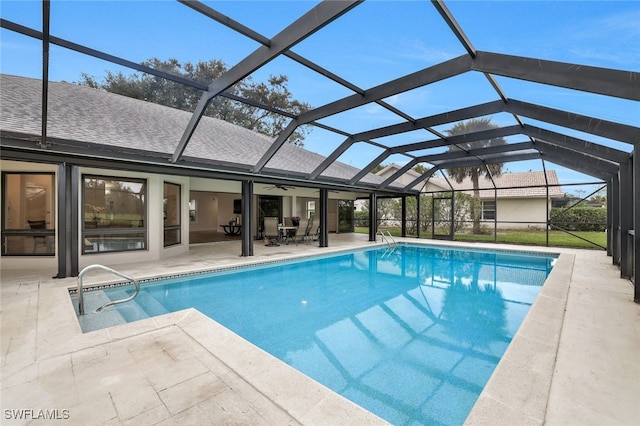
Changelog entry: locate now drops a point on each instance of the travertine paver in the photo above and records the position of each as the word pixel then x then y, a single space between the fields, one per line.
pixel 597 377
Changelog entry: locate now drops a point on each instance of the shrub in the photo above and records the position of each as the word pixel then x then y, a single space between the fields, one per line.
pixel 580 218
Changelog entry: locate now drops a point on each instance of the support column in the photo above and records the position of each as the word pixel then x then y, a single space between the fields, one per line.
pixel 626 217
pixel 67 221
pixel 548 202
pixel 418 215
pixel 324 215
pixel 635 238
pixel 404 215
pixel 246 207
pixel 609 221
pixel 615 220
pixel 373 216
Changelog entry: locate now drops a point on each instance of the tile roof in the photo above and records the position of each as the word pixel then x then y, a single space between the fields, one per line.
pixel 83 114
pixel 517 185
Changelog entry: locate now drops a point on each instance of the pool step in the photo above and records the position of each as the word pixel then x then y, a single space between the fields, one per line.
pixel 143 306
pixel 150 305
pixel 93 320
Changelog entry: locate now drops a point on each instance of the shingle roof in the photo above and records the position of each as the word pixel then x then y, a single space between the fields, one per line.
pixel 84 114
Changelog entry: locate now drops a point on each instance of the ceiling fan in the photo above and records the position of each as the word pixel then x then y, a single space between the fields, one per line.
pixel 279 186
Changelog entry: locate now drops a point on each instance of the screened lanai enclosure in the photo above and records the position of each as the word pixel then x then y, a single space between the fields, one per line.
pixel 382 83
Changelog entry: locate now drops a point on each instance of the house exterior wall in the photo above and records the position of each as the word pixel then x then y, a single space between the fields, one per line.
pixel 527 212
pixel 431 187
pixel 513 213
pixel 155 221
pixel 154 218
pixel 404 179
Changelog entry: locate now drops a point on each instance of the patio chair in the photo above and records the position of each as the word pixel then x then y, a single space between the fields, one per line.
pixel 303 229
pixel 314 230
pixel 271 231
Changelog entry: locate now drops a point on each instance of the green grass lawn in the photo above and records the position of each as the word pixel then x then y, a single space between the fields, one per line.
pixel 539 238
pixel 526 237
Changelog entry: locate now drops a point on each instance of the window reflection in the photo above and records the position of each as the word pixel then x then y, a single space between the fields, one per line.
pixel 28 226
pixel 114 214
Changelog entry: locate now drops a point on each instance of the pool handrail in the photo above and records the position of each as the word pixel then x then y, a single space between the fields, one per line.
pixel 385 240
pixel 113 271
pixel 391 245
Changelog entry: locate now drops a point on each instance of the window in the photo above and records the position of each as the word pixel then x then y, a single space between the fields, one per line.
pixel 488 210
pixel 311 209
pixel 28 226
pixel 113 214
pixel 171 209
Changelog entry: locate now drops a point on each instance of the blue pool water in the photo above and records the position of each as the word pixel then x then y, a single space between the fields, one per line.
pixel 412 335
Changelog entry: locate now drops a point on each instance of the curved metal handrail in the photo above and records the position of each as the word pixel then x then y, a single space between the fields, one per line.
pixel 391 244
pixel 104 268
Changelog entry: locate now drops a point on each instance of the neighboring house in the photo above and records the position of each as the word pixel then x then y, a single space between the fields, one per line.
pixel 519 200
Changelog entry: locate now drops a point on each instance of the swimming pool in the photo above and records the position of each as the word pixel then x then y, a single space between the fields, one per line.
pixel 412 335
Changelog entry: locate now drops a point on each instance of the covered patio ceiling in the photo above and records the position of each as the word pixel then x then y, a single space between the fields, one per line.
pixel 544 133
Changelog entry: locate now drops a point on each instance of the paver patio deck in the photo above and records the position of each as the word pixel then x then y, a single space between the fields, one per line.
pixel 574 360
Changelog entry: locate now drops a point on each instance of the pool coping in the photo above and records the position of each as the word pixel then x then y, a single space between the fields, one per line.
pixel 518 389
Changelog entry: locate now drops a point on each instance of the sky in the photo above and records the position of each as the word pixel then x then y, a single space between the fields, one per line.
pixel 374 42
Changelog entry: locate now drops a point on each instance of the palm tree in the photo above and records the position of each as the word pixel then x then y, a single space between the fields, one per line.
pixel 474 172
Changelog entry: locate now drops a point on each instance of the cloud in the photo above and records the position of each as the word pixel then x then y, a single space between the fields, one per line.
pixel 418 50
pixel 613 38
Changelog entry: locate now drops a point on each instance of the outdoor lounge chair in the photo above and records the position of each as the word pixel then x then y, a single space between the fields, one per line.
pixel 271 231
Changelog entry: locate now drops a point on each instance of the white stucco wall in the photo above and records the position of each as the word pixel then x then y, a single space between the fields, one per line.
pixel 155 223
pixel 532 211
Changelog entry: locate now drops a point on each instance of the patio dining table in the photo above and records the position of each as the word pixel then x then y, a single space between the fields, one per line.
pixel 286 233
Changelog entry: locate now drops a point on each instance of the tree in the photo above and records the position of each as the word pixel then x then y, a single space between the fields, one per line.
pixel 419 168
pixel 379 167
pixel 474 172
pixel 273 93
